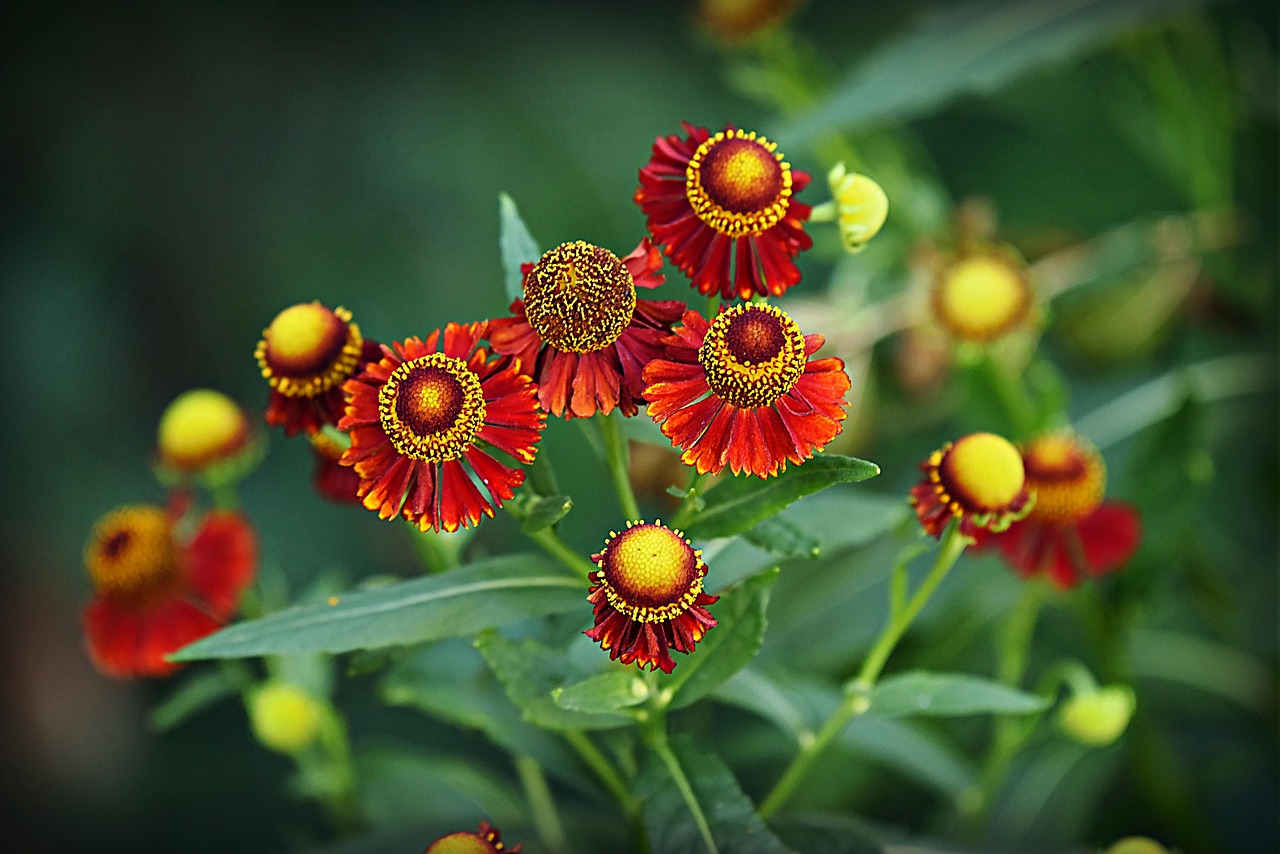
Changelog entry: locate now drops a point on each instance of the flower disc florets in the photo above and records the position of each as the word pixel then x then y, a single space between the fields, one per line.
pixel 309 349
pixel 979 479
pixel 1069 478
pixel 738 184
pixel 199 429
pixel 982 295
pixel 131 554
pixel 432 407
pixel 650 573
pixel 486 840
pixel 753 354
pixel 579 297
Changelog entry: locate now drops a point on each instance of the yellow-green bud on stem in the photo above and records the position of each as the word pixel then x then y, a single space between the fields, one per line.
pixel 285 718
pixel 1097 718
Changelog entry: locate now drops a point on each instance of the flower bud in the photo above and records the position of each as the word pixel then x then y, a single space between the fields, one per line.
pixel 1136 845
pixel 285 718
pixel 1097 718
pixel 861 207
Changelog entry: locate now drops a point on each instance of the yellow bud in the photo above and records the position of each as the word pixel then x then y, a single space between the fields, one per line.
pixel 861 206
pixel 1136 845
pixel 201 428
pixel 1097 718
pixel 284 717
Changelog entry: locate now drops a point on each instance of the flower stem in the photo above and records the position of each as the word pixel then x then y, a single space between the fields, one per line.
pixel 689 504
pixel 857 700
pixel 600 764
pixel 435 554
pixel 615 455
pixel 551 543
pixel 541 804
pixel 656 736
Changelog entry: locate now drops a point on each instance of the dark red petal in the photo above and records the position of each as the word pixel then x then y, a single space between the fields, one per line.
pixel 500 480
pixel 461 504
pixel 221 560
pixel 1109 536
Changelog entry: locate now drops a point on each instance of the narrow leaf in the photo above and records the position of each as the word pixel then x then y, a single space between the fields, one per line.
pixel 784 538
pixel 539 512
pixel 608 692
pixel 743 502
pixel 916 753
pixel 196 693
pixel 922 694
pixel 516 246
pixel 393 778
pixel 458 603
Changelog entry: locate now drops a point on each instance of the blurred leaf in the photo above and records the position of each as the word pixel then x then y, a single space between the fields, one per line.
pixel 922 694
pixel 516 246
pixel 784 538
pixel 530 672
pixel 194 694
pixel 830 834
pixel 461 602
pixel 829 521
pixel 393 779
pixel 1204 664
pixel 727 647
pixel 642 428
pixel 911 750
pixel 608 692
pixel 964 48
pixel 732 818
pixel 739 503
pixel 538 512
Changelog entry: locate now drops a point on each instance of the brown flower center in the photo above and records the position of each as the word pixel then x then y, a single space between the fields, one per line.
pixel 650 573
pixel 309 349
pixel 1069 478
pixel 738 184
pixel 432 407
pixel 753 354
pixel 579 297
pixel 131 554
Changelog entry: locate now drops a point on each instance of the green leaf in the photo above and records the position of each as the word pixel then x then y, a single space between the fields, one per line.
pixel 196 693
pixel 734 824
pixel 784 538
pixel 539 512
pixel 742 502
pixel 830 834
pixel 608 692
pixel 530 672
pixel 516 246
pixel 922 694
pixel 393 778
pixel 828 521
pixel 458 603
pixel 964 48
pixel 729 645
pixel 905 747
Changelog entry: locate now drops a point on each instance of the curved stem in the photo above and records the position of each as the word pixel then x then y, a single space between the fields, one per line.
pixel 541 804
pixel 857 700
pixel 551 543
pixel 656 736
pixel 603 769
pixel 615 456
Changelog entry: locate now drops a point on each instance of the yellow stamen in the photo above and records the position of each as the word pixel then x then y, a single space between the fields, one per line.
pixel 1068 476
pixel 309 349
pixel 579 297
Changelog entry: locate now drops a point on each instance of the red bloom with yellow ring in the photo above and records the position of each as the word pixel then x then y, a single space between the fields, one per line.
pixel 486 840
pixel 580 331
pixel 648 596
pixel 159 588
pixel 418 418
pixel 1071 534
pixel 742 391
pixel 723 208
pixel 306 354
pixel 978 480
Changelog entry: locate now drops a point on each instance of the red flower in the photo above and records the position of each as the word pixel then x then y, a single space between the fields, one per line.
pixel 417 414
pixel 742 391
pixel 726 201
pixel 486 840
pixel 581 332
pixel 158 591
pixel 978 479
pixel 329 477
pixel 306 354
pixel 648 596
pixel 1070 534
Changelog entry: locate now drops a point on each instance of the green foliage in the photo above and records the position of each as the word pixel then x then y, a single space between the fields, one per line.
pixel 922 694
pixel 516 246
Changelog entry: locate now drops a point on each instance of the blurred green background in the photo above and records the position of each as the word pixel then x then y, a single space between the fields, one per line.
pixel 176 174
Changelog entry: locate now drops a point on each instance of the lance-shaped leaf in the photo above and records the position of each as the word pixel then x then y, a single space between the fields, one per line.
pixel 516 246
pixel 458 603
pixel 919 693
pixel 742 502
pixel 607 692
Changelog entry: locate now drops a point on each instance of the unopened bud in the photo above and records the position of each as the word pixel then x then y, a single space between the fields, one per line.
pixel 285 718
pixel 1097 718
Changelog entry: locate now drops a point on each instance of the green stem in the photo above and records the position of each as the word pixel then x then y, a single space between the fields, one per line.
pixel 689 504
pixel 340 802
pixel 1011 393
pixel 615 455
pixel 551 543
pixel 603 769
pixel 656 736
pixel 436 557
pixel 542 477
pixel 541 804
pixel 857 701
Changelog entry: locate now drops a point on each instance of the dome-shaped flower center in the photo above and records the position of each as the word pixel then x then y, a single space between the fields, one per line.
pixel 461 843
pixel 738 184
pixel 432 407
pixel 650 573
pixel 309 349
pixel 200 427
pixel 981 297
pixel 983 472
pixel 753 354
pixel 131 554
pixel 579 297
pixel 1069 478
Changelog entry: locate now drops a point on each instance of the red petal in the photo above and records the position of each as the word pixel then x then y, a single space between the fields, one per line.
pixel 1110 535
pixel 221 560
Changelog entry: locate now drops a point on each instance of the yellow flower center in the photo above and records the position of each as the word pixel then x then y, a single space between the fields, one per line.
pixel 1136 845
pixel 131 554
pixel 753 354
pixel 738 184
pixel 200 427
pixel 284 717
pixel 981 297
pixel 309 349
pixel 983 472
pixel 650 573
pixel 579 297
pixel 1069 478
pixel 460 843
pixel 432 407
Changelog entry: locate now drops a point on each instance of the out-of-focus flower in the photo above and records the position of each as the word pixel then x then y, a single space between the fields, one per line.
pixel 486 840
pixel 204 432
pixel 306 354
pixel 978 479
pixel 982 294
pixel 735 21
pixel 1097 718
pixel 648 596
pixel 723 209
pixel 581 332
pixel 1070 534
pixel 285 718
pixel 861 207
pixel 1136 845
pixel 157 591
pixel 419 412
pixel 329 477
pixel 743 392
